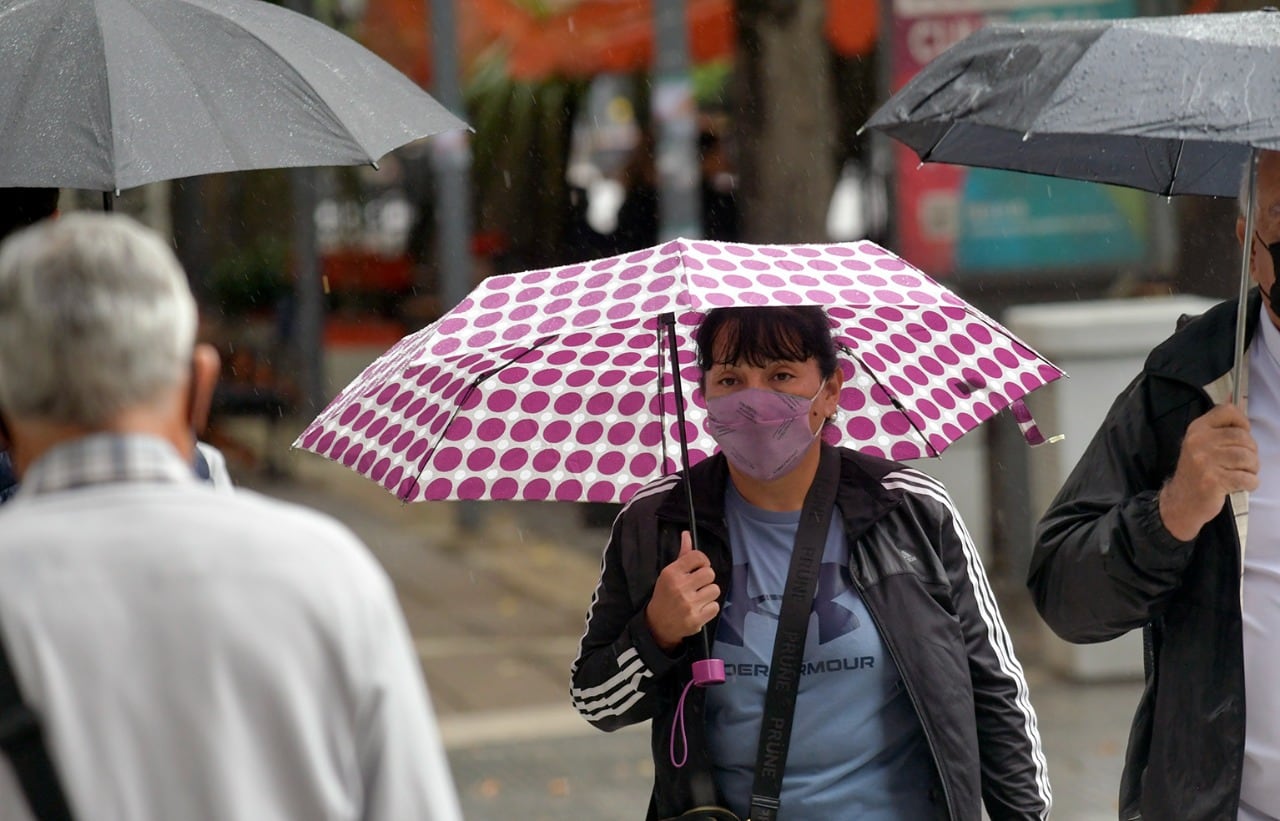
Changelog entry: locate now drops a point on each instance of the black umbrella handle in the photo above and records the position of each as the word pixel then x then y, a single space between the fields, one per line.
pixel 1251 206
pixel 668 321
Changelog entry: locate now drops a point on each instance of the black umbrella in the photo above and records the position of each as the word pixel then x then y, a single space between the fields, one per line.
pixel 112 94
pixel 1171 105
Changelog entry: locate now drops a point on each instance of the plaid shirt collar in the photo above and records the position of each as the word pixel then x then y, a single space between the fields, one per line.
pixel 105 459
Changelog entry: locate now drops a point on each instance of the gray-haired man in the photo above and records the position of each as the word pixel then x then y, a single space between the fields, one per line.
pixel 192 654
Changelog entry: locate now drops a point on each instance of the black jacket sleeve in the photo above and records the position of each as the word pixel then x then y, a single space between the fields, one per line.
pixel 1104 563
pixel 619 667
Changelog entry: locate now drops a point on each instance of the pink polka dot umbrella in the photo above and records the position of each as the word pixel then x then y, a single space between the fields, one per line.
pixel 556 383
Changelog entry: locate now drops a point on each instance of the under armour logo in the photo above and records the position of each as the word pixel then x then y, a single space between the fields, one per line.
pixel 834 619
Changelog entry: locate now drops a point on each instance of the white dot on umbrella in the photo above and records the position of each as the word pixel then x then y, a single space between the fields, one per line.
pixel 546 417
pixel 611 418
pixel 579 418
pixel 558 475
pixel 632 448
pixel 526 475
pixel 514 416
pixel 557 389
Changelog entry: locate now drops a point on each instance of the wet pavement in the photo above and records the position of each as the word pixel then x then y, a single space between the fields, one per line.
pixel 496 609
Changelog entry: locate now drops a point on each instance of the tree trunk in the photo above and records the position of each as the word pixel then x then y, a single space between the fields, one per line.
pixel 786 121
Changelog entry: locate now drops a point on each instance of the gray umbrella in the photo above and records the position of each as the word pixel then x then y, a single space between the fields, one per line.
pixel 111 94
pixel 1172 105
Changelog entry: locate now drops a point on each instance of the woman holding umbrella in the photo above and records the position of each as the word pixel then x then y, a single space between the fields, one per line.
pixel 910 703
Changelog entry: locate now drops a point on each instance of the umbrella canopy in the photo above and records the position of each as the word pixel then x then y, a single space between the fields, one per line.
pixel 112 94
pixel 1171 105
pixel 555 384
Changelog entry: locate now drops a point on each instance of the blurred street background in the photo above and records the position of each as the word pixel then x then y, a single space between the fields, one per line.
pixel 601 126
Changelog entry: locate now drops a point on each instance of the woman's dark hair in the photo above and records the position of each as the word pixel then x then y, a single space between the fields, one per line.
pixel 757 336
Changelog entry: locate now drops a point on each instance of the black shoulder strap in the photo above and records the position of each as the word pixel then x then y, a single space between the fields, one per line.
pixel 788 644
pixel 22 740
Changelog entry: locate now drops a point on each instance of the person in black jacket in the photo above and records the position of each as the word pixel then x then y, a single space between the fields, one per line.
pixel 911 704
pixel 1169 521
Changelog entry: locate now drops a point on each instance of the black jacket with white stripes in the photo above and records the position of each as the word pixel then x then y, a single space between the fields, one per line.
pixel 919 574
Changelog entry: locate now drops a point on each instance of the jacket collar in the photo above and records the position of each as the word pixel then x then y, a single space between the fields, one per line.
pixel 861 497
pixel 1202 351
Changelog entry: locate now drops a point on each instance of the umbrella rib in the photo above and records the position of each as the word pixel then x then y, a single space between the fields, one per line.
pixel 928 446
pixel 462 400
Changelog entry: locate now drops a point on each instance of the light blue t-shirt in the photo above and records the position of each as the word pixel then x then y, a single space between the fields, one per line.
pixel 857 750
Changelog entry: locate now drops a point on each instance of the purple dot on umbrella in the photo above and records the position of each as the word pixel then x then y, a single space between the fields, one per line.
pixel 363 421
pixel 824 265
pixel 524 430
pixel 655 304
pixel 888 296
pixel 427 375
pixel 517 331
pixel 472 487
pixel 906 280
pixel 944 398
pixel 861 429
pixel 895 423
pixel 438 424
pixel 963 344
pixel 379 469
pixel 311 436
pixel 821 297
pixel 721 264
pixel 852 399
pixel 559 358
pixel 387 394
pixel 537 490
pixel 611 377
pixel 998 402
pixel 558 306
pixel 557 431
pixel 1029 381
pixel 416 450
pixel 392 479
pixel 1006 357
pixel 754 298
pixel 928 410
pixel 903 343
pixel 580 379
pixel 595 283
pixel 568 403
pixel 919 332
pixel 440 383
pixel 570 491
pixel 546 460
pixel 402 441
pixel 665 265
pixel 860 335
pixel 905 450
pixel 326 443
pixel 837 281
pixel 600 492
pixel 605 264
pixel 594 359
pixel 459 429
pixel 438 489
pixel 504 488
pixel 611 462
pixel 888 353
pixel 771 251
pixel 513 459
pixel 485 320
pixel 934 321
pixel 365 461
pixel 1049 373
pixel 513 375
pixel 499 283
pixel 639 256
pixel 737 281
pixel 740 250
pixel 966 421
pixel 570 272
pixel 481 339
pixel 491 430
pixel 916 375
pixel 579 461
pixel 890 314
pixel 481 459
pixel 643 465
pixel 805 251
pixel 620 433
pixel 856 296
pixel 501 401
pixel 890 264
pixel 939 442
pixel 390 433
pixel 600 404
pixel 349 414
pixel 879 395
pixel 932 365
pixel 705 248
pixel 586 318
pixel 920 297
pixel 590 433
pixel 990 367
pixel 720 300
pixel 788 265
pixel 401 401
pixel 620 311
pixel 533 277
pixel 661 284
pixel 545 379
pixel 530 294
pixel 640 379
pixel 855 265
pixel 703 281
pixel 651 434
pixel 471 400
pixel 873 363
pixel 756 265
pixel 451 325
pixel 901 387
pixel 946 355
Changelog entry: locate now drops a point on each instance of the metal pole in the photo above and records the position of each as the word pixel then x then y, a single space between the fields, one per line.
pixel 451 159
pixel 1238 361
pixel 309 300
pixel 675 119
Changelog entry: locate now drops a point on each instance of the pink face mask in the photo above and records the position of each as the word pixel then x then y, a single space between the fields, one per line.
pixel 762 433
